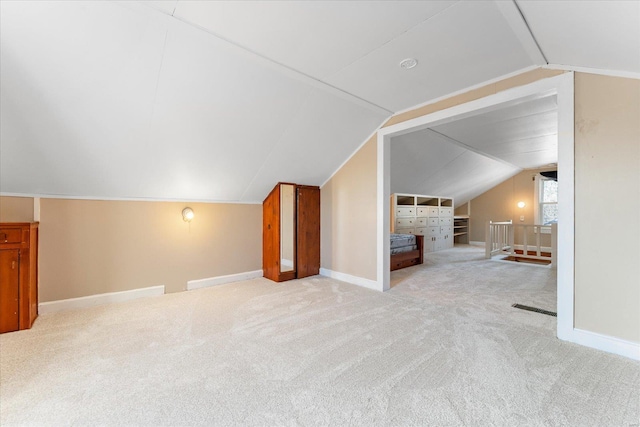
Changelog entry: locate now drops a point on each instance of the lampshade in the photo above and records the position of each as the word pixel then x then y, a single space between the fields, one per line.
pixel 187 214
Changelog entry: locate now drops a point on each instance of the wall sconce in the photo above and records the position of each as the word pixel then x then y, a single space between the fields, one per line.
pixel 521 205
pixel 187 214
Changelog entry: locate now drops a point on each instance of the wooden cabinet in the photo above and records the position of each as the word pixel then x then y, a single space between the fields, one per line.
pixel 429 216
pixel 291 232
pixel 18 275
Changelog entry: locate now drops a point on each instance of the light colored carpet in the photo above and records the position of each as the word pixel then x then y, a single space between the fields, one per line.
pixel 442 347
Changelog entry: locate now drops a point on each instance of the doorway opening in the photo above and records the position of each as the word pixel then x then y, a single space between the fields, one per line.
pixel 560 87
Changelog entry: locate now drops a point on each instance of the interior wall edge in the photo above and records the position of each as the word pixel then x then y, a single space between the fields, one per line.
pixel 125 199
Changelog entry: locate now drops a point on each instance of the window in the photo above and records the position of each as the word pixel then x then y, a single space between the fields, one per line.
pixel 547 206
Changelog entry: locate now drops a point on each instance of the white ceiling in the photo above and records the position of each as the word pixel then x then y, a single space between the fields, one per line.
pixel 594 34
pixel 218 101
pixel 465 158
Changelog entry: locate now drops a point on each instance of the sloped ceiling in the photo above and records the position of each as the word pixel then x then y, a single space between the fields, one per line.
pixel 479 151
pixel 218 101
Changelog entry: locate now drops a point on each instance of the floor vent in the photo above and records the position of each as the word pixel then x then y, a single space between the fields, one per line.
pixel 537 310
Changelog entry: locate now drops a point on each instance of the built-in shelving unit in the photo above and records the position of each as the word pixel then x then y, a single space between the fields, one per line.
pixel 461 229
pixel 429 216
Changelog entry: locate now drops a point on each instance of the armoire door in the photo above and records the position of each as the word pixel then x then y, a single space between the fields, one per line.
pixel 9 290
pixel 308 233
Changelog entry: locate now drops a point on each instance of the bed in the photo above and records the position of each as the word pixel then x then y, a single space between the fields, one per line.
pixel 406 250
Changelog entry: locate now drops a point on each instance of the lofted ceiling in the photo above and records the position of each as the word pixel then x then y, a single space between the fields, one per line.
pixel 479 151
pixel 219 100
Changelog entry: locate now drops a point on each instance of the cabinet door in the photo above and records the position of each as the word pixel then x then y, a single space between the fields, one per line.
pixel 9 285
pixel 429 244
pixel 308 233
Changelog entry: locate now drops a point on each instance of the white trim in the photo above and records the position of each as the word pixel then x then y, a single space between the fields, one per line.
pixel 383 216
pixel 469 88
pixel 355 151
pixel 123 199
pixel 221 280
pixel 606 343
pixel 588 70
pixel 99 299
pixel 566 206
pixel 36 209
pixel 562 87
pixel 354 280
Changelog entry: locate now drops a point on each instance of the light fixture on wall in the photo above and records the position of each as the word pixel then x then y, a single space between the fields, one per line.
pixel 521 205
pixel 187 214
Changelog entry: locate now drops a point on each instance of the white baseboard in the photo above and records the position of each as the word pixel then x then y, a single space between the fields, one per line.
pixel 99 299
pixel 354 280
pixel 221 280
pixel 606 343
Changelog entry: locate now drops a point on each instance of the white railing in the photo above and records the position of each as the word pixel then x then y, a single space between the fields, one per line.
pixel 500 238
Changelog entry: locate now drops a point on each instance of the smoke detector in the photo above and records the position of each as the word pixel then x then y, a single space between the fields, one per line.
pixel 408 63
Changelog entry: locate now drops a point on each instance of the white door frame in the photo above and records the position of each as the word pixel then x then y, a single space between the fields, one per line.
pixel 562 87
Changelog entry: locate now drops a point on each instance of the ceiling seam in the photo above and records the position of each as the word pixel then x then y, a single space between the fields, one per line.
pixel 305 77
pixel 390 40
pixel 470 148
pixel 533 37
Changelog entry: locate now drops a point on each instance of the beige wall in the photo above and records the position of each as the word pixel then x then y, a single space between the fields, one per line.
pixel 92 247
pixel 348 215
pixel 607 197
pixel 500 204
pixel 16 209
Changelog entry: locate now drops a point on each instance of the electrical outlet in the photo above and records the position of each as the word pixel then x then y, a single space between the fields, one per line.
pixel 521 218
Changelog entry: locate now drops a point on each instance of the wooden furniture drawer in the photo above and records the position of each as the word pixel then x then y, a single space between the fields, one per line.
pixel 445 230
pixel 433 221
pixel 423 211
pixel 434 211
pixel 405 211
pixel 10 235
pixel 445 211
pixel 405 222
pixel 445 221
pixel 434 231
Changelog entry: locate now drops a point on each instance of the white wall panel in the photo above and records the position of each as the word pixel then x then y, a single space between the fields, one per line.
pixel 317 38
pixel 321 135
pixel 466 44
pixel 594 34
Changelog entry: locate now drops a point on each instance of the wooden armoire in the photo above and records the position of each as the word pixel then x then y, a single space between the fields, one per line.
pixel 18 275
pixel 291 232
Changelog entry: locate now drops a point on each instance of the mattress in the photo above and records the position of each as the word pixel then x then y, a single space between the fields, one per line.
pixel 400 240
pixel 403 249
